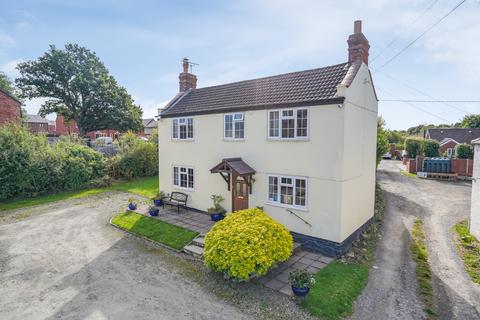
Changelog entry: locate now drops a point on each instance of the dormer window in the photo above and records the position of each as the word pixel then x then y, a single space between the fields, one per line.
pixel 234 126
pixel 288 123
pixel 182 129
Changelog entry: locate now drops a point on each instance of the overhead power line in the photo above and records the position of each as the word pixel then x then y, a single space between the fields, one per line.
pixel 420 36
pixel 430 6
pixel 415 106
pixel 425 94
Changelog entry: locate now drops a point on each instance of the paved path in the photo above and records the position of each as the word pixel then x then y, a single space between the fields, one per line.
pixel 392 290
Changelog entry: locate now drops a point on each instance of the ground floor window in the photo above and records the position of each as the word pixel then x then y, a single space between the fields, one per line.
pixel 183 177
pixel 287 190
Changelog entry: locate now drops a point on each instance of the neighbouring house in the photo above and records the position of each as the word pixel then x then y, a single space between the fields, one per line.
pixel 301 145
pixel 51 127
pixel 450 137
pixel 63 127
pixel 475 204
pixel 148 126
pixel 10 108
pixel 37 123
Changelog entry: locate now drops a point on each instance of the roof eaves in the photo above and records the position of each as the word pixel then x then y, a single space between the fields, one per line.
pixel 335 100
pixel 173 102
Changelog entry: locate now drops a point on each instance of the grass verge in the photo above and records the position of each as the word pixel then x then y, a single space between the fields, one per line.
pixel 469 250
pixel 147 187
pixel 408 174
pixel 422 269
pixel 154 229
pixel 339 284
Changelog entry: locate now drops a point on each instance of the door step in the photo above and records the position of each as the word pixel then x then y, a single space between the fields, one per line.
pixel 199 241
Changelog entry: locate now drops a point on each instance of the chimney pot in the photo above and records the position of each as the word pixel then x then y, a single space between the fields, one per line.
pixel 357 26
pixel 185 65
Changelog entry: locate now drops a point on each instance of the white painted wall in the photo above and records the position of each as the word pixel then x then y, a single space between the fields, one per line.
pixel 338 160
pixel 475 207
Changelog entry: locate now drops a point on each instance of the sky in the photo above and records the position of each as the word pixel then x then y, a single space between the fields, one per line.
pixel 142 44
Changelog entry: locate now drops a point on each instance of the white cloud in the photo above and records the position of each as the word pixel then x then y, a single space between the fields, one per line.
pixel 9 68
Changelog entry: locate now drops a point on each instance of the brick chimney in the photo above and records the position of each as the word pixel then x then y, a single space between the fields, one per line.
pixel 187 79
pixel 357 44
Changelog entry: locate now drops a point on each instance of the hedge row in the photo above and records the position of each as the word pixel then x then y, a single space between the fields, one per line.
pixel 30 165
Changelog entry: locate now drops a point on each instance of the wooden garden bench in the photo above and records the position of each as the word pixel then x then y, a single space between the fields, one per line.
pixel 176 199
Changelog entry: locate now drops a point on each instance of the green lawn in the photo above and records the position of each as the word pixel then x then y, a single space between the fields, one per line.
pixel 339 284
pixel 469 249
pixel 154 229
pixel 147 187
pixel 336 288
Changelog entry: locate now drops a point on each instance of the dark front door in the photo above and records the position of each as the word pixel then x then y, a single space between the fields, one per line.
pixel 239 193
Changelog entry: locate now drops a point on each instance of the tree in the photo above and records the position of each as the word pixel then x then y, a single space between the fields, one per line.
pixel 6 84
pixel 79 87
pixel 470 121
pixel 430 148
pixel 382 141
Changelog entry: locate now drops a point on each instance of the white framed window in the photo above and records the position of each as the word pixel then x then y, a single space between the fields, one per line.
pixel 182 129
pixel 287 191
pixel 288 123
pixel 183 177
pixel 234 126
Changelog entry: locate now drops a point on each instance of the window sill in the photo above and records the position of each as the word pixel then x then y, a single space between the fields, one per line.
pixel 286 206
pixel 288 139
pixel 184 189
pixel 233 140
pixel 183 140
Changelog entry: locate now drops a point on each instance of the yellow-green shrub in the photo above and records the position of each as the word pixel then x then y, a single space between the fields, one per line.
pixel 246 243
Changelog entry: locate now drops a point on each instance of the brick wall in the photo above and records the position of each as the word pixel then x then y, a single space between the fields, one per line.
pixel 411 165
pixel 62 128
pixel 37 127
pixel 9 108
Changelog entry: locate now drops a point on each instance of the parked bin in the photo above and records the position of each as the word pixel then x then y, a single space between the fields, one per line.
pixel 437 165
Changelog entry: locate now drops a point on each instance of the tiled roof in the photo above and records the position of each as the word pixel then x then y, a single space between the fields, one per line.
pixel 285 90
pixel 149 123
pixel 461 135
pixel 35 118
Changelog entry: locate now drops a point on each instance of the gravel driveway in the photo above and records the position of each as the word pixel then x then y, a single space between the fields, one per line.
pixel 392 289
pixel 64 261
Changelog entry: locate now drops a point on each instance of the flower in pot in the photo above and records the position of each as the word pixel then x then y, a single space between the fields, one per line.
pixel 301 282
pixel 132 204
pixel 153 211
pixel 158 199
pixel 217 212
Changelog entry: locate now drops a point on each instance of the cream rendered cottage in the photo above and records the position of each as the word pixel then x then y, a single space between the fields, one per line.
pixel 300 145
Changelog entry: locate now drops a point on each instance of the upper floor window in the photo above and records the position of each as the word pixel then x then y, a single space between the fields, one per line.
pixel 183 177
pixel 288 123
pixel 182 128
pixel 287 191
pixel 234 126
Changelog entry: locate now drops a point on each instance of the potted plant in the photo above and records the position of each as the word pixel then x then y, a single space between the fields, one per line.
pixel 153 211
pixel 132 204
pixel 158 199
pixel 217 212
pixel 301 282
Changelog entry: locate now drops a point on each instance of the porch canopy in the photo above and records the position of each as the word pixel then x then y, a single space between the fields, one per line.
pixel 235 167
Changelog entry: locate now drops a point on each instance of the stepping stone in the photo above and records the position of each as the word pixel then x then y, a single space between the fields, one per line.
pixel 193 250
pixel 296 246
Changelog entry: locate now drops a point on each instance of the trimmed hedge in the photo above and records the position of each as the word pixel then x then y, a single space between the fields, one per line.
pixel 246 243
pixel 413 147
pixel 463 151
pixel 430 148
pixel 31 165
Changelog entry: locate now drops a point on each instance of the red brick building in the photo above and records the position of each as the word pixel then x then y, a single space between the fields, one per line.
pixel 10 108
pixel 63 127
pixel 37 124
